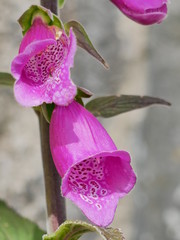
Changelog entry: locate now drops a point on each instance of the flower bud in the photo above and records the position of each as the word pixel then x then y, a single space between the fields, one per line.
pixel 145 12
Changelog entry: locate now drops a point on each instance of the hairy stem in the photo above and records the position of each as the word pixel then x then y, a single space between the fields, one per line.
pixel 56 212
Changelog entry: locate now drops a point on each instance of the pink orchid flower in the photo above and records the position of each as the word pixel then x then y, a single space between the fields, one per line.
pixel 145 12
pixel 42 67
pixel 94 173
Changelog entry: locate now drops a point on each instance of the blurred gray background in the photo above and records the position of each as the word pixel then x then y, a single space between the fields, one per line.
pixel 143 61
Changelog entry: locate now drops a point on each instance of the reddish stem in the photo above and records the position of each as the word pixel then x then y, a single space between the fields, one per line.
pixel 56 210
pixel 50 4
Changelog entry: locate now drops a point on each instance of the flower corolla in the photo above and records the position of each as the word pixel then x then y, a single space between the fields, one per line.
pixel 42 67
pixel 94 173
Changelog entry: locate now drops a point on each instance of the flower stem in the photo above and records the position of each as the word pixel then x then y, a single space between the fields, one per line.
pixel 56 212
pixel 50 4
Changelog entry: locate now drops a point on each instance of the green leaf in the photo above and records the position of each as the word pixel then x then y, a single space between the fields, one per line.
pixel 83 40
pixel 70 230
pixel 6 79
pixel 15 227
pixel 48 17
pixel 113 105
pixel 61 3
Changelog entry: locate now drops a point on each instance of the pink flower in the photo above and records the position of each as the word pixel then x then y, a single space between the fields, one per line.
pixel 143 11
pixel 42 67
pixel 94 173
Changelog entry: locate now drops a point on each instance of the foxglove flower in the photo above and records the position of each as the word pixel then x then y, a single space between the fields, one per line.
pixel 42 67
pixel 94 173
pixel 143 11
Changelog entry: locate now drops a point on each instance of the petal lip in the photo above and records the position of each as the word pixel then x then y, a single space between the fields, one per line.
pixel 28 96
pixel 100 220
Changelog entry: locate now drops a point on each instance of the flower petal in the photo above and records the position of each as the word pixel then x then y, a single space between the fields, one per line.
pixel 28 95
pixel 142 6
pixel 62 90
pixel 72 49
pixel 95 174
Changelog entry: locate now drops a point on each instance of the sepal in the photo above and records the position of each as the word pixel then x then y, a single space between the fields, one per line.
pixel 73 230
pixel 82 93
pixel 61 3
pixel 47 110
pixel 47 16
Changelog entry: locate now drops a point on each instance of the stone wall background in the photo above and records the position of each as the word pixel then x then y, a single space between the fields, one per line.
pixel 143 60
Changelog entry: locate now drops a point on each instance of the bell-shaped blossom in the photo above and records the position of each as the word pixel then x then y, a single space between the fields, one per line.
pixel 145 12
pixel 42 67
pixel 94 173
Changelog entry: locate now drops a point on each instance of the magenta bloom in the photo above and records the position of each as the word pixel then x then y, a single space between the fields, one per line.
pixel 94 173
pixel 143 11
pixel 42 67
